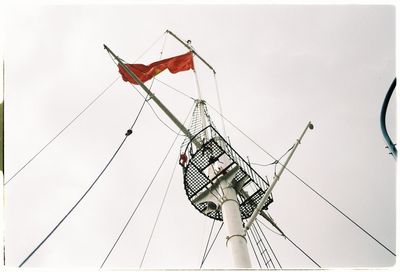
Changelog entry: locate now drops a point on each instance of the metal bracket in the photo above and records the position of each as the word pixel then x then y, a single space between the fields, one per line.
pixel 235 235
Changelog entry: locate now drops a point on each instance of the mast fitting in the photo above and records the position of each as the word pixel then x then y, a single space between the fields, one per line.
pixel 235 235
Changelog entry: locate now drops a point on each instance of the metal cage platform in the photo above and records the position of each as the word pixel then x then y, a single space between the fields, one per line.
pixel 202 168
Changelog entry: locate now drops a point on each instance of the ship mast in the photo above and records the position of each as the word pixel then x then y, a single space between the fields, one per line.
pixel 216 194
pixel 236 240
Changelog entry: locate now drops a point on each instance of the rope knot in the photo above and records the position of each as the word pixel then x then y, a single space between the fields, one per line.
pixel 128 132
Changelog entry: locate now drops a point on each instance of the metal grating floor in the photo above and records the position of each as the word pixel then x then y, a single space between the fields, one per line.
pixel 196 179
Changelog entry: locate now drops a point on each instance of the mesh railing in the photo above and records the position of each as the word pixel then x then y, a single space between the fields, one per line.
pixel 227 148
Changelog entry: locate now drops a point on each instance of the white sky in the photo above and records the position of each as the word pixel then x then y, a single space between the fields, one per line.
pixel 277 68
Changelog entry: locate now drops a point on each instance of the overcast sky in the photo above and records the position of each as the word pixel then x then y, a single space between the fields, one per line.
pixel 277 68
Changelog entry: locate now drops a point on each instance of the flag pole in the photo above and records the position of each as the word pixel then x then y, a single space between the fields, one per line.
pixel 154 98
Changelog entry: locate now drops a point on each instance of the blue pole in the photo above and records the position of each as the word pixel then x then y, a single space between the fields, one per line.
pixel 390 145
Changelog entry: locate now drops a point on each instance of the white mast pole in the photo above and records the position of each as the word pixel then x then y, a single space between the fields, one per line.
pixel 236 240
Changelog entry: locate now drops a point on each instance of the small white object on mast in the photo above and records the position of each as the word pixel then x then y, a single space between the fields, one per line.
pixel 276 178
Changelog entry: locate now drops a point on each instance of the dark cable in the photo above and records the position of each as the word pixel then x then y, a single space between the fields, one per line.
pixel 346 216
pixel 279 160
pixel 158 215
pixel 254 250
pixel 175 89
pixel 261 164
pixel 273 253
pixel 276 161
pixel 284 235
pixel 270 259
pixel 277 233
pixel 238 129
pixel 144 194
pixel 151 46
pixel 208 241
pixel 140 201
pixel 291 172
pixel 155 113
pixel 215 238
pixel 87 191
pixel 59 133
pixel 151 85
pixel 308 256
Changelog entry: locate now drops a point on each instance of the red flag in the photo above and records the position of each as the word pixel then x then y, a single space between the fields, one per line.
pixel 145 72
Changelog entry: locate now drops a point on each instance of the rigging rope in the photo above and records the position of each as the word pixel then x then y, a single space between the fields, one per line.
pixel 308 186
pixel 145 100
pixel 309 257
pixel 345 215
pixel 276 161
pixel 265 248
pixel 208 241
pixel 155 113
pixel 140 201
pixel 254 250
pixel 164 34
pixel 219 104
pixel 273 253
pixel 62 130
pixel 215 238
pixel 151 85
pixel 258 242
pixel 286 237
pixel 129 132
pixel 175 89
pixel 277 233
pixel 84 110
pixel 143 196
pixel 158 214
